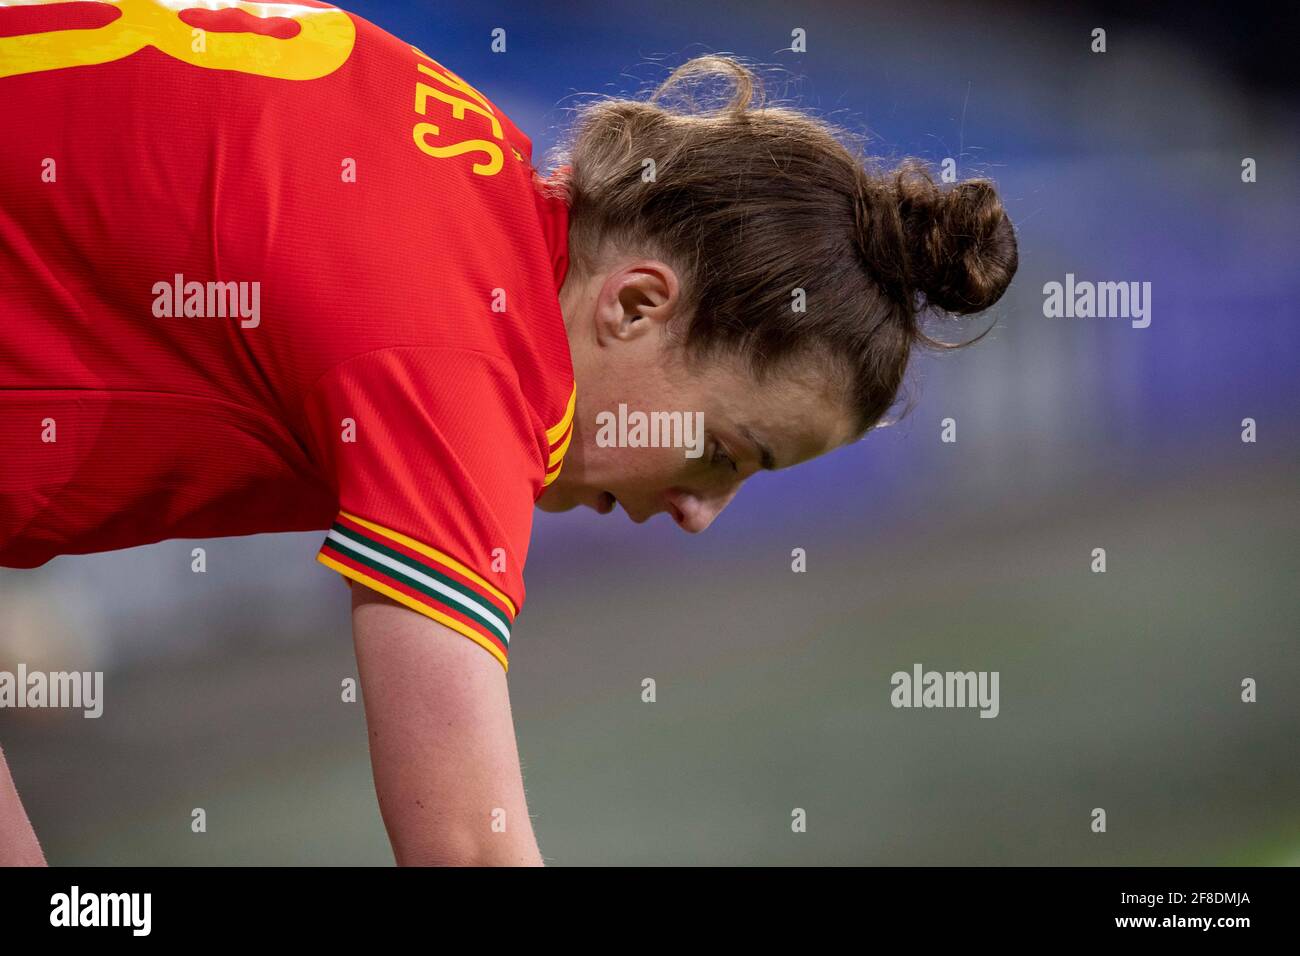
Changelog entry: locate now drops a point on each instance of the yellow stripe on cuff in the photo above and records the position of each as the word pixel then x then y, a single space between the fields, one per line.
pixel 434 554
pixel 415 605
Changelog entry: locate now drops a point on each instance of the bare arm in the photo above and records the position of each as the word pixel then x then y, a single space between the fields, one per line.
pixel 442 740
pixel 18 845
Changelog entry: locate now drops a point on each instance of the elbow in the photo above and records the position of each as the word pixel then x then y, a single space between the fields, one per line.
pixel 485 857
pixel 495 850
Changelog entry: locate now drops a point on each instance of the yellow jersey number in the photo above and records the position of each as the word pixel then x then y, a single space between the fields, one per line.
pixel 323 43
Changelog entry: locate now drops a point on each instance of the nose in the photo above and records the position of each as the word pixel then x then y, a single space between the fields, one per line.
pixel 693 513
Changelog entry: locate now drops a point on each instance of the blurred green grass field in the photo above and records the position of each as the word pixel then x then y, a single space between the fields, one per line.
pixel 1118 691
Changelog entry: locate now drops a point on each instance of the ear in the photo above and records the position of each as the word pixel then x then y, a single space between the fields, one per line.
pixel 636 299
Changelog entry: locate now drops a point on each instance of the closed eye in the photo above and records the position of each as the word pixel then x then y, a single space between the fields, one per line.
pixel 720 456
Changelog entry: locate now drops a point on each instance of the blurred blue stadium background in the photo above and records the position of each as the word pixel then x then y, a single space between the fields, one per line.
pixel 1118 691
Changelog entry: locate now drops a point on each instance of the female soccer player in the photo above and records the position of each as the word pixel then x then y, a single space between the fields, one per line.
pixel 290 273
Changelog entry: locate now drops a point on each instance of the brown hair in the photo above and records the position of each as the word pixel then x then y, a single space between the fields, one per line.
pixel 750 202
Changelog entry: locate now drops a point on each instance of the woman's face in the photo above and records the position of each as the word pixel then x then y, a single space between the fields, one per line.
pixel 714 425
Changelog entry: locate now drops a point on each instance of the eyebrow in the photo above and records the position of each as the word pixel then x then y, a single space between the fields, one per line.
pixel 765 456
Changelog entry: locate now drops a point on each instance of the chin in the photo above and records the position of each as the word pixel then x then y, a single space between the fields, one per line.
pixel 555 500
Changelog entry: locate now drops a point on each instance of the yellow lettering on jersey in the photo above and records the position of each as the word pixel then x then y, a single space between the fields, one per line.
pixel 495 158
pixel 458 106
pixel 462 99
pixel 449 78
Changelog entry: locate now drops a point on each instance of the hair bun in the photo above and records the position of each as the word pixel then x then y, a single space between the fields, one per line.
pixel 961 247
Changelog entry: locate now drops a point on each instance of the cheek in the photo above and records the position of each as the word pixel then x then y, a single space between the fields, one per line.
pixel 640 469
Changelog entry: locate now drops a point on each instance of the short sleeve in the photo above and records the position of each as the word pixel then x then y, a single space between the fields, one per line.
pixel 436 465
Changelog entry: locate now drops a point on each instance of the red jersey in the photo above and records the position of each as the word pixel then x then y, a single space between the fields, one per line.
pixel 274 273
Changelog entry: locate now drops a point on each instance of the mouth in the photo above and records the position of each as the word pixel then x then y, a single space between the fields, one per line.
pixel 605 503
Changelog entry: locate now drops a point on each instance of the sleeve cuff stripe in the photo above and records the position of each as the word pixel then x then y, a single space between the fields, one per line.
pixel 374 559
pixel 556 431
pixel 557 453
pixel 486 641
pixel 429 557
pixel 410 558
